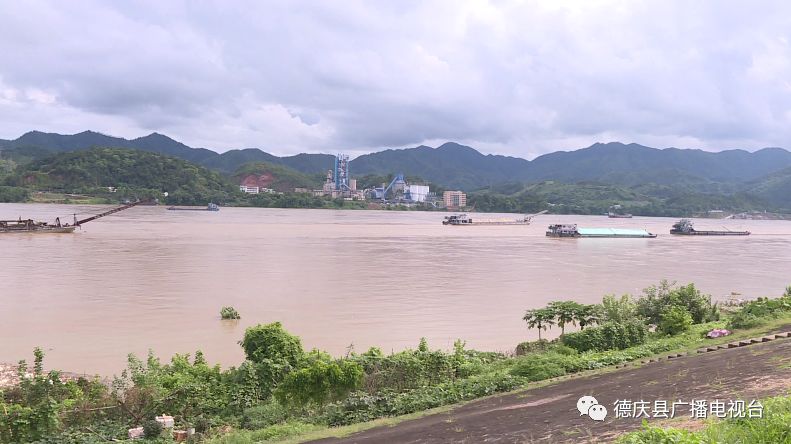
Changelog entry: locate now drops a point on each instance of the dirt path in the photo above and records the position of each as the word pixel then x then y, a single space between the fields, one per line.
pixel 549 414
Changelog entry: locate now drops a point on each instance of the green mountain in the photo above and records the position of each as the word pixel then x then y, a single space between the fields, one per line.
pixel 37 144
pixel 132 172
pixel 451 164
pixel 460 166
pixel 775 189
pixel 663 174
pixel 635 164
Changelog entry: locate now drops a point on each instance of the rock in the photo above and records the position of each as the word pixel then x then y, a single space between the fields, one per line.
pixel 136 433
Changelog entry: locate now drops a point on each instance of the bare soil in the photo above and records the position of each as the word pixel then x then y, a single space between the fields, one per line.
pixel 548 414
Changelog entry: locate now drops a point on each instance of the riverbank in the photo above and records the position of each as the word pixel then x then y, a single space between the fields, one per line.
pixel 281 391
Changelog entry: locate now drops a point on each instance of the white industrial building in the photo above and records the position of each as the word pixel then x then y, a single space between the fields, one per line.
pixel 416 193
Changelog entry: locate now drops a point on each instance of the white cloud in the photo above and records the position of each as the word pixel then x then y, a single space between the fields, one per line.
pixel 514 77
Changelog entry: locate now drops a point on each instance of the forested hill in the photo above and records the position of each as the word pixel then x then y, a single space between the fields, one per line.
pixel 88 171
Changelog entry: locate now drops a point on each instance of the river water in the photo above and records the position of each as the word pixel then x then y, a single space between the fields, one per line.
pixel 148 278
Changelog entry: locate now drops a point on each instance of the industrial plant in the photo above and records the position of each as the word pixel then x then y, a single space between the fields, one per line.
pixel 339 184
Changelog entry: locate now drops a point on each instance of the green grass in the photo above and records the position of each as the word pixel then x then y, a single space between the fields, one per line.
pixel 773 428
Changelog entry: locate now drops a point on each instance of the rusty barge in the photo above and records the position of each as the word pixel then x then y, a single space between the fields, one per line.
pixel 684 227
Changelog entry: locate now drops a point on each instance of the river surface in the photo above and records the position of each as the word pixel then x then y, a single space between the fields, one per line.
pixel 148 278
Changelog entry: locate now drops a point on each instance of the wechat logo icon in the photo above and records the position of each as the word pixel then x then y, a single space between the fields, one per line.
pixel 588 405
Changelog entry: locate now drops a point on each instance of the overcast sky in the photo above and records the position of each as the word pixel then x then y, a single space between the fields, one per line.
pixel 517 78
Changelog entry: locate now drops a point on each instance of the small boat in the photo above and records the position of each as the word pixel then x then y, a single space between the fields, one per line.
pixel 571 230
pixel 612 215
pixel 463 219
pixel 211 207
pixel 684 227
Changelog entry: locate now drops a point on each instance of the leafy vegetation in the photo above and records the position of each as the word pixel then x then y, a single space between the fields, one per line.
pixel 229 313
pixel 280 390
pixel 131 173
pixel 771 428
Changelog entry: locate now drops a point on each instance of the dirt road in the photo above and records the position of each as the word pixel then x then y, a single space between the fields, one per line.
pixel 549 414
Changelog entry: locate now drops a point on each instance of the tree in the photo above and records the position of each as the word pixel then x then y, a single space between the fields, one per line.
pixel 540 318
pixel 588 314
pixel 565 312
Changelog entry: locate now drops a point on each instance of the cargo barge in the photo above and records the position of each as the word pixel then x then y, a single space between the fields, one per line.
pixel 684 227
pixel 571 230
pixel 612 215
pixel 210 207
pixel 463 219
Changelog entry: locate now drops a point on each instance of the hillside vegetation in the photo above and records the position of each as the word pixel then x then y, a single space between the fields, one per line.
pixel 134 173
pixel 283 179
pixel 643 180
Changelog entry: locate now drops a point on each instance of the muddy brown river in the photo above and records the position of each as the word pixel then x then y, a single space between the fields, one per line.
pixel 148 278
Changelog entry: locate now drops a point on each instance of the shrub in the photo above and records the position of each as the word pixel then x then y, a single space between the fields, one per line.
pixel 321 381
pixel 271 342
pixel 658 298
pixel 675 320
pixel 608 336
pixel 229 313
pixel 742 319
pixel 524 348
pixel 618 310
pixel 152 429
pixel 263 415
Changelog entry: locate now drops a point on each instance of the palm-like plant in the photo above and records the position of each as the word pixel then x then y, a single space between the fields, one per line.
pixel 566 312
pixel 588 315
pixel 540 318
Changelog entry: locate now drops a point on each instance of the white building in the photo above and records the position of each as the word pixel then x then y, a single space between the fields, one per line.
pixel 249 189
pixel 416 193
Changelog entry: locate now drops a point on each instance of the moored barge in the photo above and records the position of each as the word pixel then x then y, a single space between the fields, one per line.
pixel 684 227
pixel 572 230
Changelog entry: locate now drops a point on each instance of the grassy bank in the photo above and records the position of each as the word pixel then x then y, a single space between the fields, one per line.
pixel 774 427
pixel 283 392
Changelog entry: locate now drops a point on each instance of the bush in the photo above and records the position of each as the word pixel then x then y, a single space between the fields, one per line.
pixel 263 415
pixel 618 310
pixel 321 381
pixel 742 319
pixel 152 429
pixel 675 320
pixel 524 348
pixel 658 298
pixel 608 336
pixel 229 313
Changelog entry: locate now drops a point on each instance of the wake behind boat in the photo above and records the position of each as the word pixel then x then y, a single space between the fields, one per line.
pixel 464 219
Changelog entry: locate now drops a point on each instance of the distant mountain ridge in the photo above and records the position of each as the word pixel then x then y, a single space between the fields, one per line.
pixel 458 166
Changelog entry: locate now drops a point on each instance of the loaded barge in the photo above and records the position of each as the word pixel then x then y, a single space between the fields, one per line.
pixel 463 219
pixel 571 230
pixel 32 226
pixel 211 207
pixel 684 227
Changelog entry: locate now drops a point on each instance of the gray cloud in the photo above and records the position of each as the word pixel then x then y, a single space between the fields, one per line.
pixel 519 78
